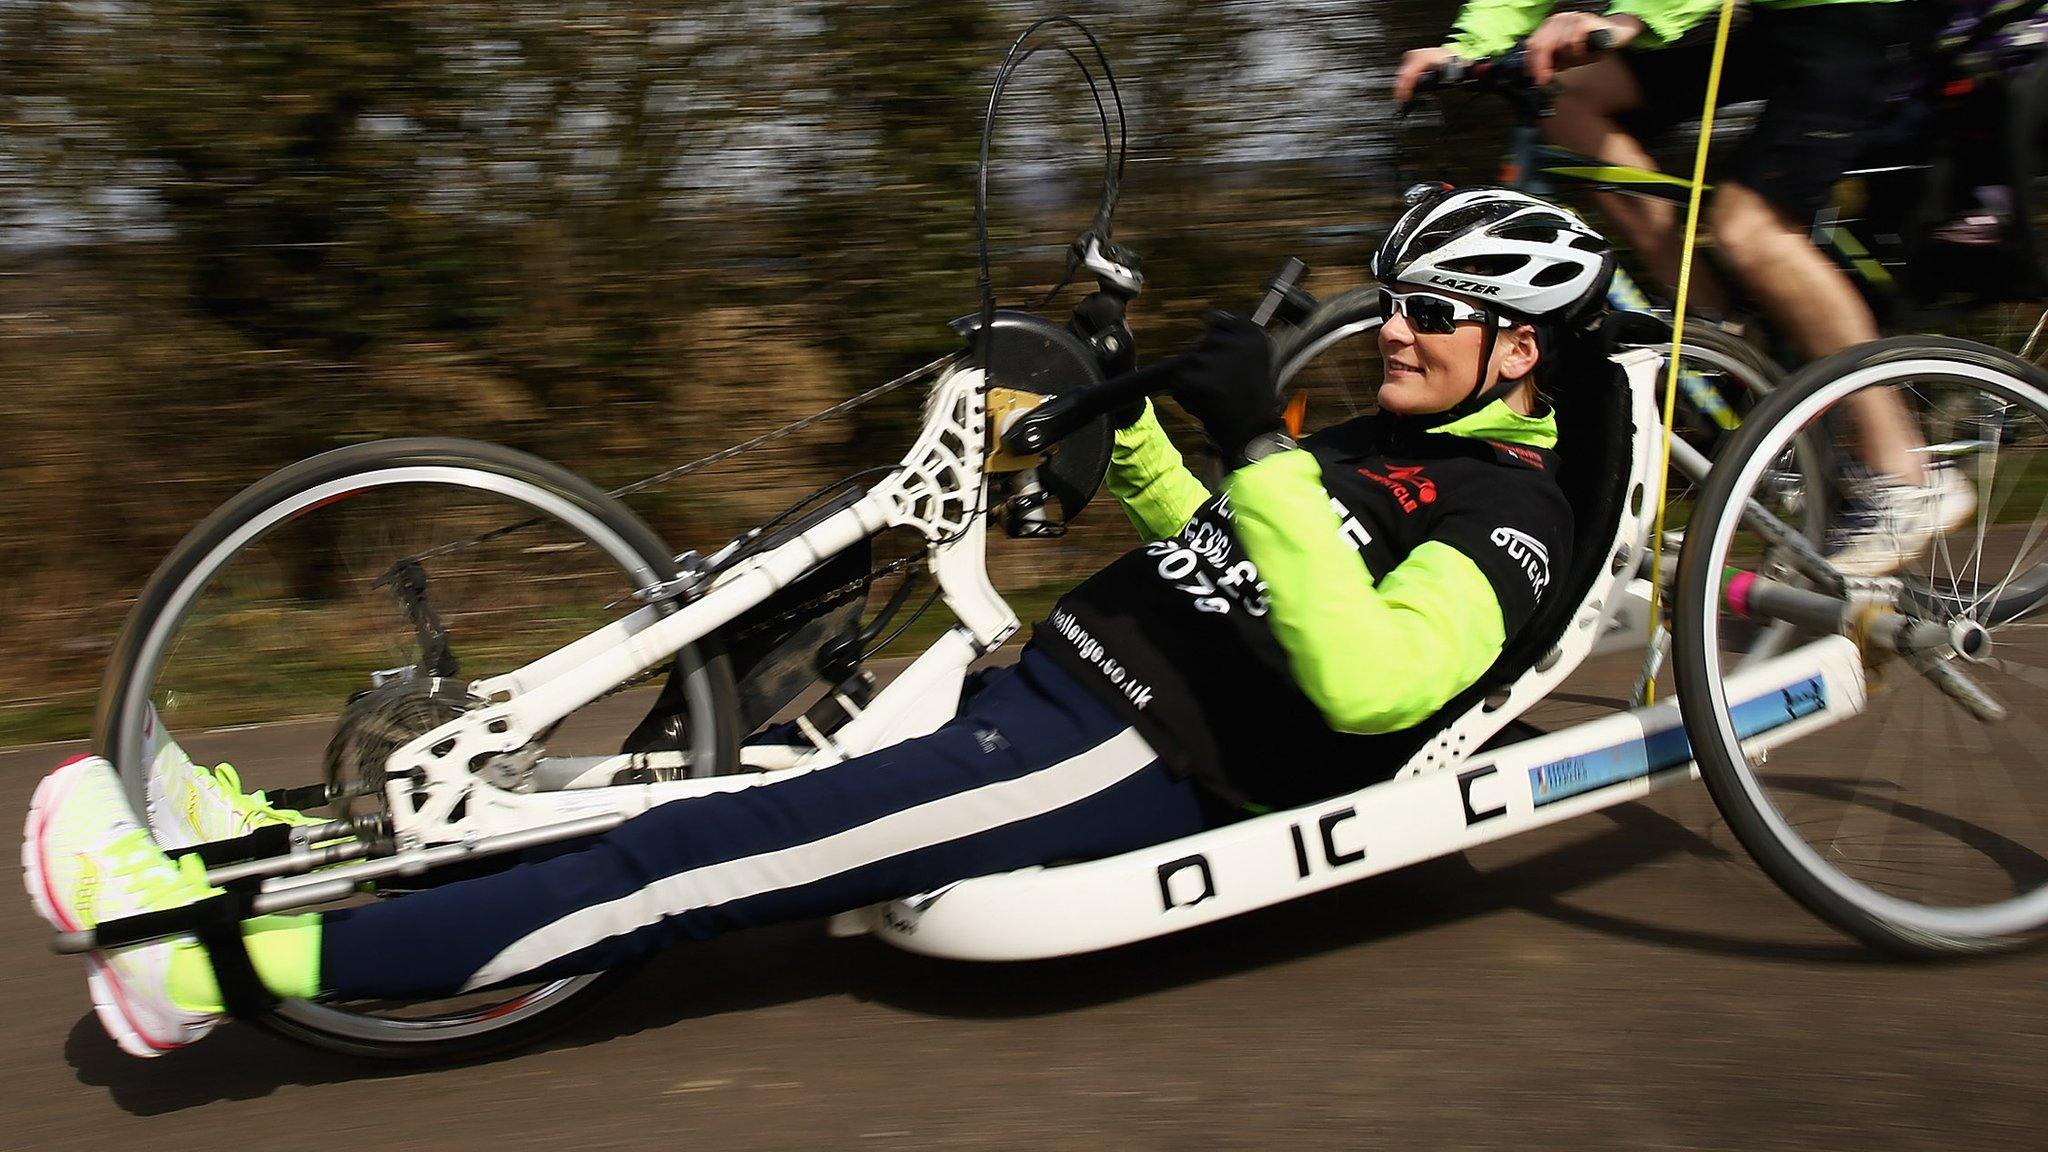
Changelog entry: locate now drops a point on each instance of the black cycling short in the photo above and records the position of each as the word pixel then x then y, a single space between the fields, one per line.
pixel 1826 73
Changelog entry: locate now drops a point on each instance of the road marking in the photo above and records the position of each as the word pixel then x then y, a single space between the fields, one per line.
pixel 45 745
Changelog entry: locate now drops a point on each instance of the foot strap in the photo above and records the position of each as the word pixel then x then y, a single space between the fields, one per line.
pixel 269 840
pixel 297 799
pixel 218 925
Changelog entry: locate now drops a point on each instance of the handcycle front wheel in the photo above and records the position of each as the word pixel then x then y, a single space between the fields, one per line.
pixel 271 618
pixel 1919 824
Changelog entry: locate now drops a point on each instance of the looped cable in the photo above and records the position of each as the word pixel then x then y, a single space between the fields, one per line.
pixel 1113 159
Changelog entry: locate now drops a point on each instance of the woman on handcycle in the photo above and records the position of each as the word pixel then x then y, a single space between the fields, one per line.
pixel 1824 69
pixel 1288 639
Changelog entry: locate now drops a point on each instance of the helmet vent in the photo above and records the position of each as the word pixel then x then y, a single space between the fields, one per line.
pixel 1491 265
pixel 1542 230
pixel 1554 275
pixel 1451 225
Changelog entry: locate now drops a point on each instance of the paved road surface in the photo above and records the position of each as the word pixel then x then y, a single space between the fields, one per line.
pixel 1629 980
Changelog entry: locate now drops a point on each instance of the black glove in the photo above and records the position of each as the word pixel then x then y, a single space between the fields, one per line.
pixel 1226 382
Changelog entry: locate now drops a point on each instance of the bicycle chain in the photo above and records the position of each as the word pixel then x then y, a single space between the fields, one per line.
pixel 860 584
pixel 856 585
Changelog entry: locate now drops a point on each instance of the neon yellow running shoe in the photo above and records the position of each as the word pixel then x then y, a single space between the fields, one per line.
pixel 86 860
pixel 189 804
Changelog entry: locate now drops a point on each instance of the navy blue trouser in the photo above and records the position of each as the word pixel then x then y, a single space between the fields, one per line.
pixel 1035 769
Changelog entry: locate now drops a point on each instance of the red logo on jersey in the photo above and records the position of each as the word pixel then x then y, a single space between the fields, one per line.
pixel 1410 487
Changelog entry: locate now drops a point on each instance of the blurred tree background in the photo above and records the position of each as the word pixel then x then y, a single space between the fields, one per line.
pixel 618 234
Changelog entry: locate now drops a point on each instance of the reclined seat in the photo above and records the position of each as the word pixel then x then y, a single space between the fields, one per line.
pixel 1606 417
pixel 1605 422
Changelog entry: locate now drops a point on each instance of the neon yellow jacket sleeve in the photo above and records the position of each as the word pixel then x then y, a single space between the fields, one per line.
pixel 1372 658
pixel 1666 20
pixel 1487 28
pixel 1147 477
pixel 1490 27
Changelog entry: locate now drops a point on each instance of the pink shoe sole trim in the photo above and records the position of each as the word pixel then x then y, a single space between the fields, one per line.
pixel 50 793
pixel 116 1016
pixel 109 1000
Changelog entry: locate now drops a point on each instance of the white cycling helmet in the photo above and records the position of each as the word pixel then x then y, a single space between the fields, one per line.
pixel 1531 259
pixel 1520 257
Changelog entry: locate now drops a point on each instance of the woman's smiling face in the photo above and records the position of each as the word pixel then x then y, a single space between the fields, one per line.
pixel 1428 372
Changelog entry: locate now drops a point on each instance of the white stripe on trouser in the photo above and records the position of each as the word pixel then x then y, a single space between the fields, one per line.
pixel 934 822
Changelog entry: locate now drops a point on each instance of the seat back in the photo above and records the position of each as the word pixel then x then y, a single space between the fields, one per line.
pixel 1606 421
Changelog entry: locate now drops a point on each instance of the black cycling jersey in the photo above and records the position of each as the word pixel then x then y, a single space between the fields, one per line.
pixel 1173 633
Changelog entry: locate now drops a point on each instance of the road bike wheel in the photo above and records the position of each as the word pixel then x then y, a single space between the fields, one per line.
pixel 268 621
pixel 1914 826
pixel 1328 368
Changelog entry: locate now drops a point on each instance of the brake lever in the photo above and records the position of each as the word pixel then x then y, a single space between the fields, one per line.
pixel 1115 267
pixel 1278 289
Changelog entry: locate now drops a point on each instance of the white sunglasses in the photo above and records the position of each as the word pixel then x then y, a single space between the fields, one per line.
pixel 1433 314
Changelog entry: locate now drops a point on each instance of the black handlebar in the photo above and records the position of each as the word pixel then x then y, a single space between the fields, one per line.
pixel 1067 413
pixel 1507 72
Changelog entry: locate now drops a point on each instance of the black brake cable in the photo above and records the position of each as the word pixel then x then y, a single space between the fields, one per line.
pixel 1112 178
pixel 930 598
pixel 1112 169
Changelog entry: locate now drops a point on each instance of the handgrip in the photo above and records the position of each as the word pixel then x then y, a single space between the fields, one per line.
pixel 1065 414
pixel 1277 290
pixel 1508 69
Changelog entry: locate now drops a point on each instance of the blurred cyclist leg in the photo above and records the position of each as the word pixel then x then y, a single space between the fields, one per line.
pixel 1824 73
pixel 1592 103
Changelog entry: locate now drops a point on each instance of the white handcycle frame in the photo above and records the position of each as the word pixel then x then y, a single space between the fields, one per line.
pixel 1450 796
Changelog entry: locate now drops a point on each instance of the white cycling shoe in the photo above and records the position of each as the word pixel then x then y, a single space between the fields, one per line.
pixel 189 804
pixel 1897 522
pixel 86 860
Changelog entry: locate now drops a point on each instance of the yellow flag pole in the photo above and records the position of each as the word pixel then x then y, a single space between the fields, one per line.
pixel 1692 226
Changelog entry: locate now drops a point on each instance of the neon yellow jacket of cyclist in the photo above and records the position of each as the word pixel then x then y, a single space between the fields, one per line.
pixel 1342 630
pixel 1490 27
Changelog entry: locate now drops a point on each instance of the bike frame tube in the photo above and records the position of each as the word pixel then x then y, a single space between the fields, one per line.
pixel 1038 913
pixel 1043 912
pixel 940 490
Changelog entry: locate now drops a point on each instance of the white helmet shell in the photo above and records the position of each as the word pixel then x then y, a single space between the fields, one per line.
pixel 1528 257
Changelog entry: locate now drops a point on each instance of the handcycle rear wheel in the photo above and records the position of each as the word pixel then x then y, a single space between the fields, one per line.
pixel 1916 826
pixel 250 636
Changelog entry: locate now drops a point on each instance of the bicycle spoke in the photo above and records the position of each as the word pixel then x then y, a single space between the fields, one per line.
pixel 1915 811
